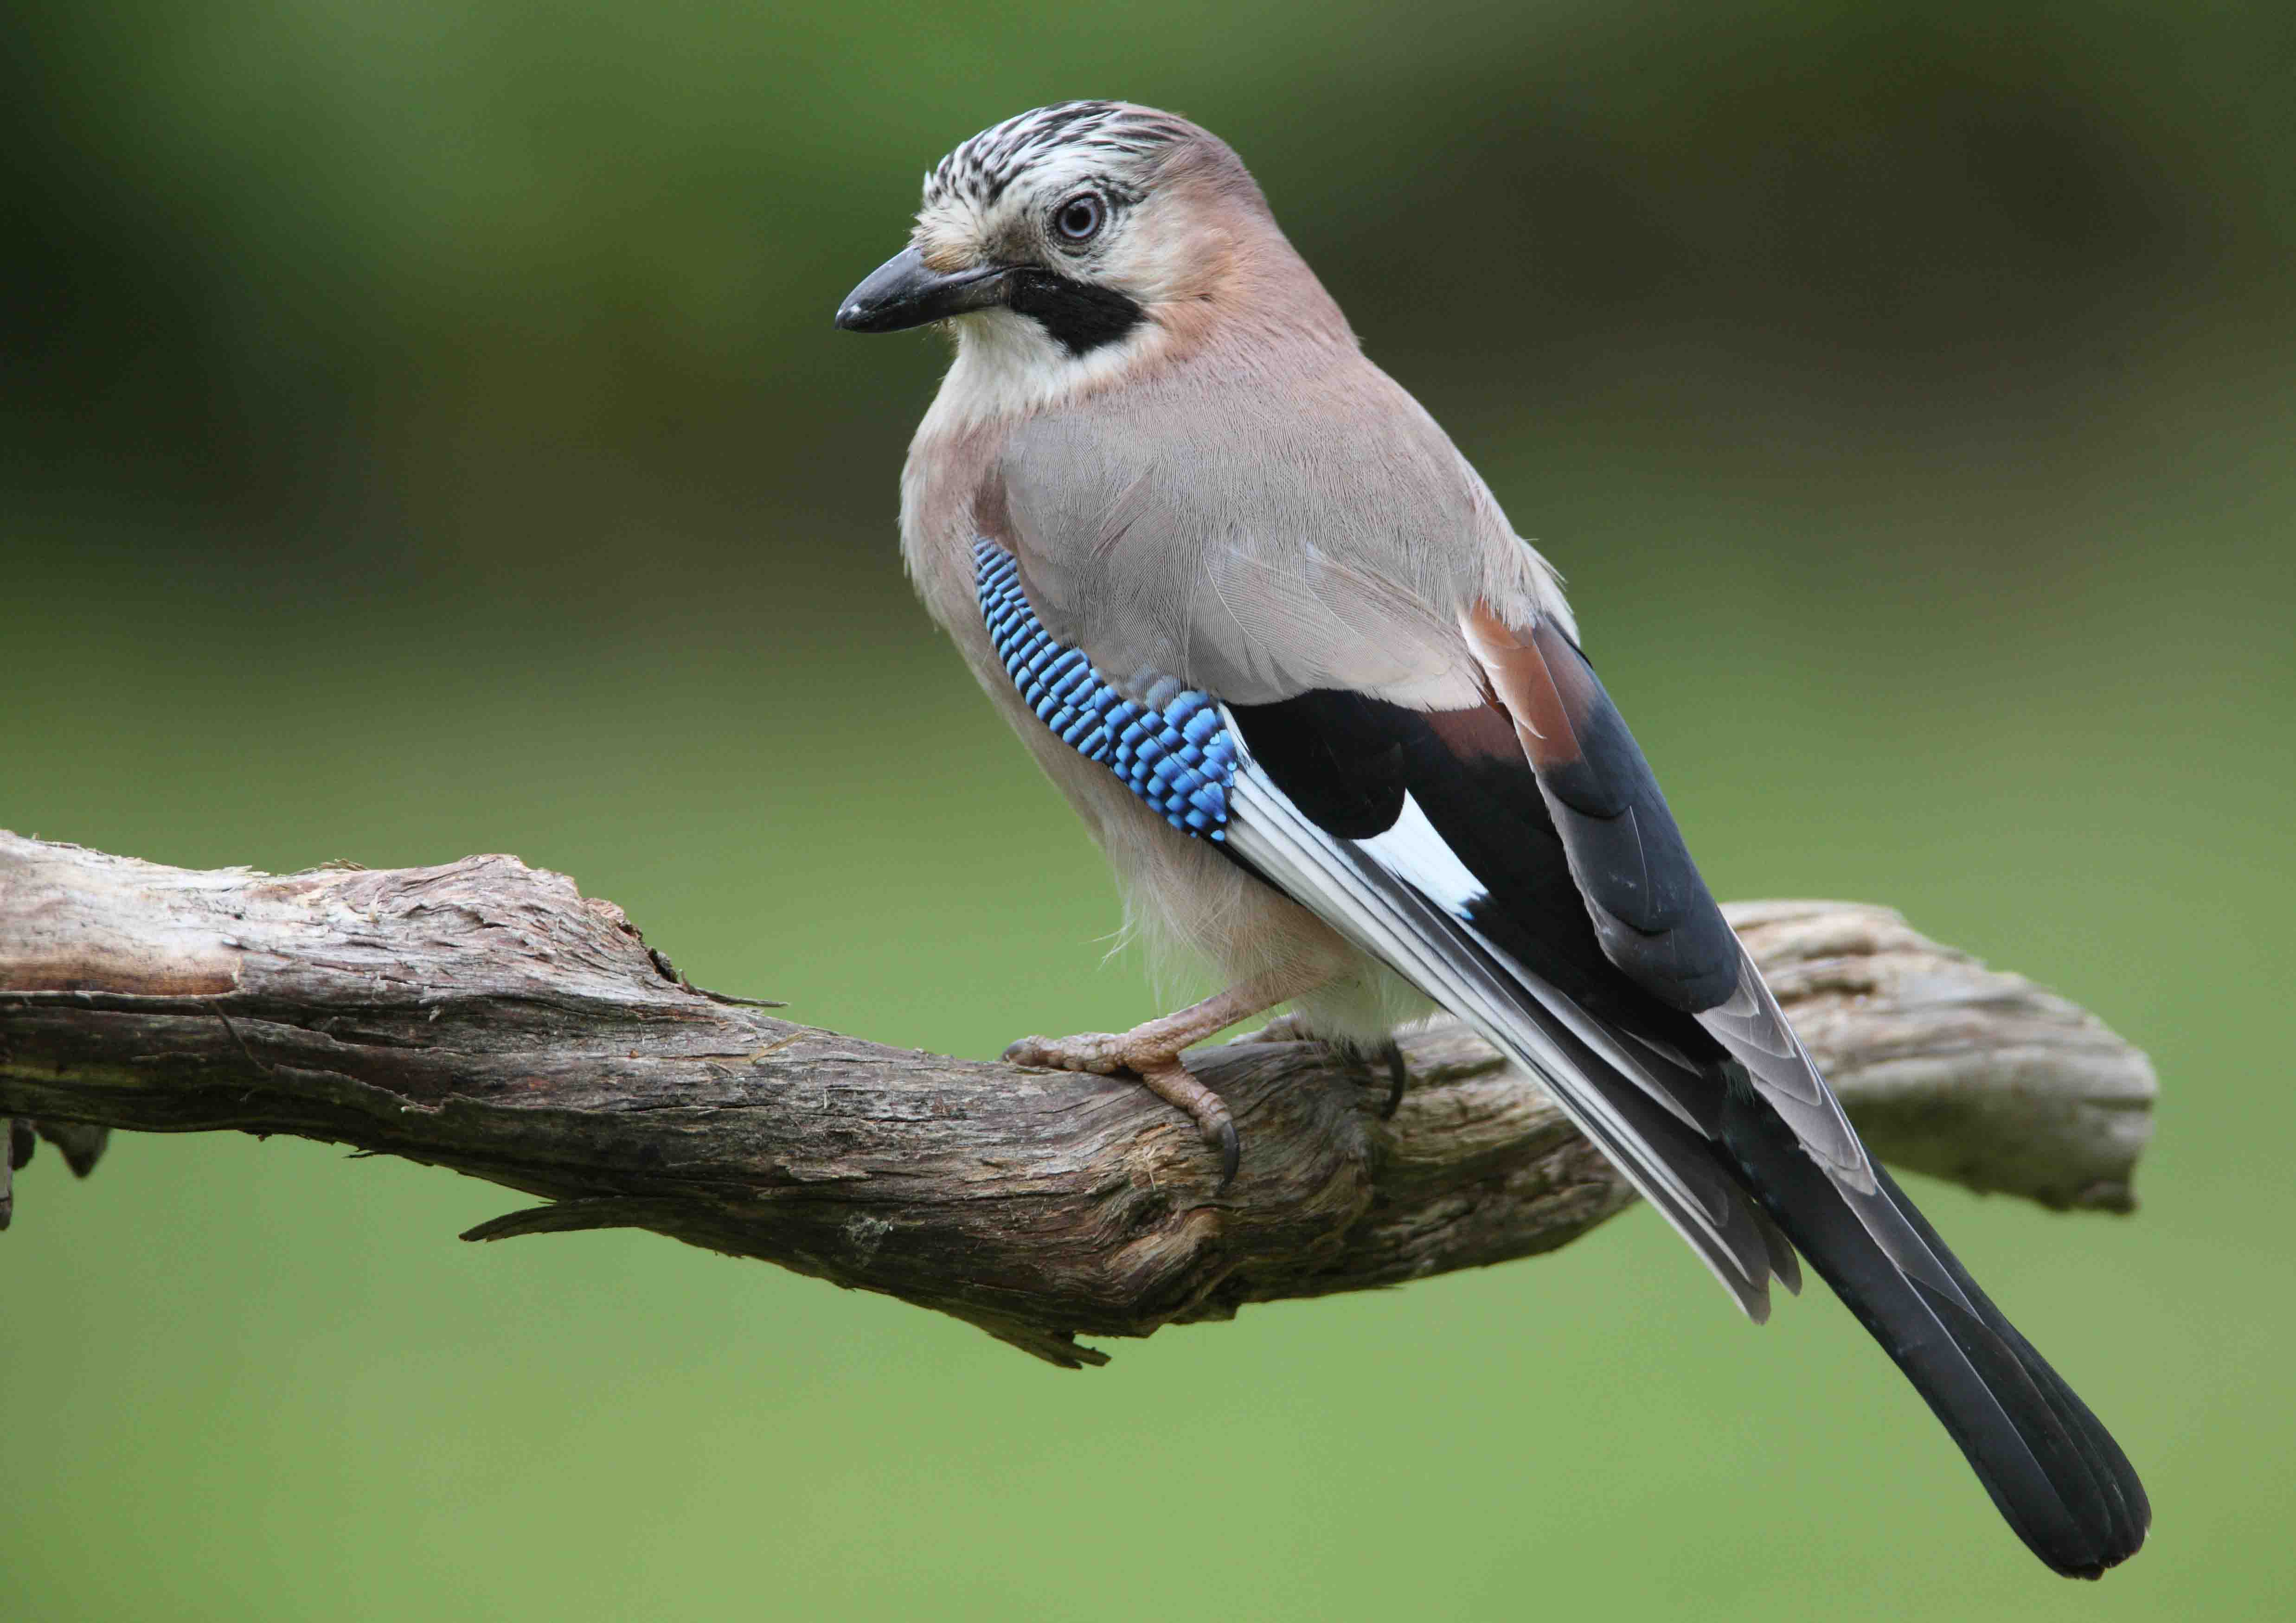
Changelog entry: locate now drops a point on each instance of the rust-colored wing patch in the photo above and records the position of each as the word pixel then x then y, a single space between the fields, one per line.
pixel 1550 698
pixel 1651 909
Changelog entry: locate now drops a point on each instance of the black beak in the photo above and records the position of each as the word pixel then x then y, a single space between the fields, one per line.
pixel 904 291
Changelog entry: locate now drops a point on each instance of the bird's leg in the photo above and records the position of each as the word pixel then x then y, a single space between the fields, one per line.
pixel 1151 1053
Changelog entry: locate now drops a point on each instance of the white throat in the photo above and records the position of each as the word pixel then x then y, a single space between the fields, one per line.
pixel 1008 367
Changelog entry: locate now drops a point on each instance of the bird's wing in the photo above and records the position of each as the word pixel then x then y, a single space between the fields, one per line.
pixel 1425 837
pixel 1422 838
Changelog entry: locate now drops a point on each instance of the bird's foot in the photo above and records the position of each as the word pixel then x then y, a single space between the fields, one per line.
pixel 1387 1057
pixel 1104 1054
pixel 1289 1028
pixel 1151 1053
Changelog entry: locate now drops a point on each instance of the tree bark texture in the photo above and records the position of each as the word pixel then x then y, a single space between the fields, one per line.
pixel 484 1016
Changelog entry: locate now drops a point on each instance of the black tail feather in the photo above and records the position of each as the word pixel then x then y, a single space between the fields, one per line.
pixel 2131 1511
pixel 2053 1470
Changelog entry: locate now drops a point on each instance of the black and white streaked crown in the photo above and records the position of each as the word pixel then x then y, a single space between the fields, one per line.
pixel 983 168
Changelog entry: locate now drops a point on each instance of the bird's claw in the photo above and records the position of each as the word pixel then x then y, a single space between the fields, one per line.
pixel 1399 1077
pixel 1221 1136
pixel 1105 1053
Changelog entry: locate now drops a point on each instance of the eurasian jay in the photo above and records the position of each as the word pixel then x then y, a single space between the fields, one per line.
pixel 1328 716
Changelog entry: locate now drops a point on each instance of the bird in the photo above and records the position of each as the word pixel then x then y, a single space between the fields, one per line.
pixel 1330 721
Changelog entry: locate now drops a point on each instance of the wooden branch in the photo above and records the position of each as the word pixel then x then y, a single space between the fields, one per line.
pixel 484 1016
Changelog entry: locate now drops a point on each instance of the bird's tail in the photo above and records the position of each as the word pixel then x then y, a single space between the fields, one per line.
pixel 2053 1471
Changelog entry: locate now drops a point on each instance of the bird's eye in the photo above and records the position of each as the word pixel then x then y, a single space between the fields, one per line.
pixel 1081 219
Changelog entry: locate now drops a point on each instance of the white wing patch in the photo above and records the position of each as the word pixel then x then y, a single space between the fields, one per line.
pixel 1413 851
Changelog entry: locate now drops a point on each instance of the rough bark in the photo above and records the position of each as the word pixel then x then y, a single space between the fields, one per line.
pixel 484 1016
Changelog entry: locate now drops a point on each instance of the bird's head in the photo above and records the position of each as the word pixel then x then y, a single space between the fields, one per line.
pixel 1073 235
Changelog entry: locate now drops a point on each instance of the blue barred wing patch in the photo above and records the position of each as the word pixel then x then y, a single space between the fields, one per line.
pixel 1170 748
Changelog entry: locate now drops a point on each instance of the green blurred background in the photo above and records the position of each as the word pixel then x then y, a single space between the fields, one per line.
pixel 423 433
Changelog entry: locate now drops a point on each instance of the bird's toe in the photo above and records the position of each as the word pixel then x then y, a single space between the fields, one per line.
pixel 1099 1052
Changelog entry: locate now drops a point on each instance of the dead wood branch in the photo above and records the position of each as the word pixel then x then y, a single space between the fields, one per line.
pixel 484 1016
